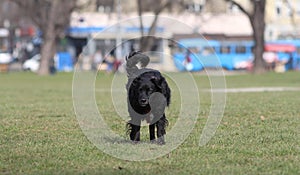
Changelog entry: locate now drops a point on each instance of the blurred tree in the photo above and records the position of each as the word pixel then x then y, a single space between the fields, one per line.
pixel 8 11
pixel 155 6
pixel 255 10
pixel 52 17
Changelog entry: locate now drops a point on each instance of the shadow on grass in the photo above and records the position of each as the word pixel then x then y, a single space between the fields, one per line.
pixel 121 140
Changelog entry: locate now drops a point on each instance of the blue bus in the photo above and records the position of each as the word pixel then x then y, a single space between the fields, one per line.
pixel 201 53
pixel 236 54
pixel 232 55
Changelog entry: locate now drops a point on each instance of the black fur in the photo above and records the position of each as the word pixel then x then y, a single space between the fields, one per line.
pixel 148 96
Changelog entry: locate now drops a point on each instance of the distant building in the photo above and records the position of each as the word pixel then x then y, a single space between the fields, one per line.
pixel 282 19
pixel 214 19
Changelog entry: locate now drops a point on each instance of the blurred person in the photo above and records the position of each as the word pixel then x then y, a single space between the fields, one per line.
pixel 52 67
pixel 283 59
pixel 97 60
pixel 290 62
pixel 116 65
pixel 270 58
pixel 109 60
pixel 187 62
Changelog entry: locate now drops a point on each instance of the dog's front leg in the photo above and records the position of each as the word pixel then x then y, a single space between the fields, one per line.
pixel 135 131
pixel 152 132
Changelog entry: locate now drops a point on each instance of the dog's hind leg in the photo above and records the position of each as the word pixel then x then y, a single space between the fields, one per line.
pixel 161 125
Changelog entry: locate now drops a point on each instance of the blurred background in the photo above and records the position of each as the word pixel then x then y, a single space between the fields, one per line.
pixel 47 36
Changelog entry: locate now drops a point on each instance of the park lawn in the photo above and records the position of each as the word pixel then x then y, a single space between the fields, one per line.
pixel 39 132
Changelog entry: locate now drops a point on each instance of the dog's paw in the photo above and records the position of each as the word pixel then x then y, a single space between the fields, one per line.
pixel 153 141
pixel 135 142
pixel 160 141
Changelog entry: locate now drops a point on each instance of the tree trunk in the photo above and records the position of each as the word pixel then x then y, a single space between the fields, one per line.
pixel 48 46
pixel 258 26
pixel 47 53
pixel 140 13
pixel 257 20
pixel 148 41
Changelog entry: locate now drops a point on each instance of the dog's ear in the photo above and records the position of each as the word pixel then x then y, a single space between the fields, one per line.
pixel 165 89
pixel 162 84
pixel 136 81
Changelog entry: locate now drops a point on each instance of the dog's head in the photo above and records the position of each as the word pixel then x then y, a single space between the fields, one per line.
pixel 145 87
pixel 146 84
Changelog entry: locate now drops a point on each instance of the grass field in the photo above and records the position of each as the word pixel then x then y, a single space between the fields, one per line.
pixel 39 132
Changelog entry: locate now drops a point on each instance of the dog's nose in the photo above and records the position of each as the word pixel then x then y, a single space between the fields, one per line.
pixel 144 101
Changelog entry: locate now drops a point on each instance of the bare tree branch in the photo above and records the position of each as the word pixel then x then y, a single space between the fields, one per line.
pixel 147 42
pixel 240 7
pixel 162 7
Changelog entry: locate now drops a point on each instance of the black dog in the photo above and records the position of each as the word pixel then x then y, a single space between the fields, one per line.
pixel 148 95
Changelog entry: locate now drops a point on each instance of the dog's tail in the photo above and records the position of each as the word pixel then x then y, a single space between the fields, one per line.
pixel 133 59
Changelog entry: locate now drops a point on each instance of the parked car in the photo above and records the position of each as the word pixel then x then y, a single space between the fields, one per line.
pixel 5 57
pixel 33 63
pixel 62 62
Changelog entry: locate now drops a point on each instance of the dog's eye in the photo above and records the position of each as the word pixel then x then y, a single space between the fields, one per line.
pixel 150 89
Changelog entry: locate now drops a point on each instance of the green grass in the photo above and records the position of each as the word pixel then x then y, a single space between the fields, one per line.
pixel 39 132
